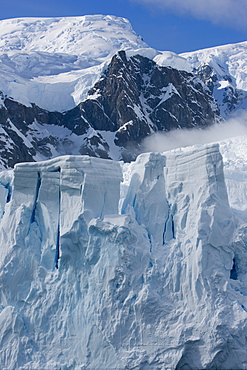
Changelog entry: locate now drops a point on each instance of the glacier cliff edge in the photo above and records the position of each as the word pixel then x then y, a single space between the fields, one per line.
pixel 106 265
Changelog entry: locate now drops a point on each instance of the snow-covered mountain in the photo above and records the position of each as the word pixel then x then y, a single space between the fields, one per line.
pixel 53 62
pixel 91 85
pixel 148 273
pixel 67 87
pixel 106 264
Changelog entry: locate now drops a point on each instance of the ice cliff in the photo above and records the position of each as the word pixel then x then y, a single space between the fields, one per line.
pixel 122 266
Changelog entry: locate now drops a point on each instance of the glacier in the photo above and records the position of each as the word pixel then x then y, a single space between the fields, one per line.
pixel 110 265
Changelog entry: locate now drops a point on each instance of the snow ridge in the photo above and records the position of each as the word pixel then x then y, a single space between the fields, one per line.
pixel 89 34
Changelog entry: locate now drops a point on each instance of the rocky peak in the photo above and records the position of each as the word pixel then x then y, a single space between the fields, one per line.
pixel 133 98
pixel 136 97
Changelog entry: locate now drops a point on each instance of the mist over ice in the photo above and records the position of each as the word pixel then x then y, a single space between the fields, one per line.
pixel 161 142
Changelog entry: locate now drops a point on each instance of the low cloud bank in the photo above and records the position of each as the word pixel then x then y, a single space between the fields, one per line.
pixel 161 142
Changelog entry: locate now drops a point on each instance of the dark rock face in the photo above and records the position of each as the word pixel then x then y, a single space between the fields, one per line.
pixel 137 97
pixel 134 98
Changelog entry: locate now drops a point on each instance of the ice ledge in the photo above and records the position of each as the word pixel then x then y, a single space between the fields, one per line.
pixel 89 164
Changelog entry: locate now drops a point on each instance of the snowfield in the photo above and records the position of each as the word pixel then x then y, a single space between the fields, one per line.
pixel 54 61
pixel 106 265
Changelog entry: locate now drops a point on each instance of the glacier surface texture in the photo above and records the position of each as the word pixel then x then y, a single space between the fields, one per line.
pixel 105 265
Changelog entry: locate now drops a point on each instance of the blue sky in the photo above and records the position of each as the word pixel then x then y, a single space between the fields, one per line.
pixel 163 24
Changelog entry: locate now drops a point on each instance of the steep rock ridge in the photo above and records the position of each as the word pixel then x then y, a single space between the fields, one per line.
pixel 137 97
pixel 101 284
pixel 224 70
pixel 134 98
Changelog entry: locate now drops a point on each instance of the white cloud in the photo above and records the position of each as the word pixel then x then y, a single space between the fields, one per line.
pixel 162 142
pixel 231 12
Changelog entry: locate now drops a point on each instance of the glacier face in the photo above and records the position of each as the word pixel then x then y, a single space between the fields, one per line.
pixel 122 266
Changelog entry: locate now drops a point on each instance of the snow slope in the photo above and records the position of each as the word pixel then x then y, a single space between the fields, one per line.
pixel 91 35
pixel 149 273
pixel 53 62
pixel 229 73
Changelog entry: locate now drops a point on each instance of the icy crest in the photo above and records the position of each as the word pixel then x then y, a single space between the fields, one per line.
pixel 170 59
pixel 102 274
